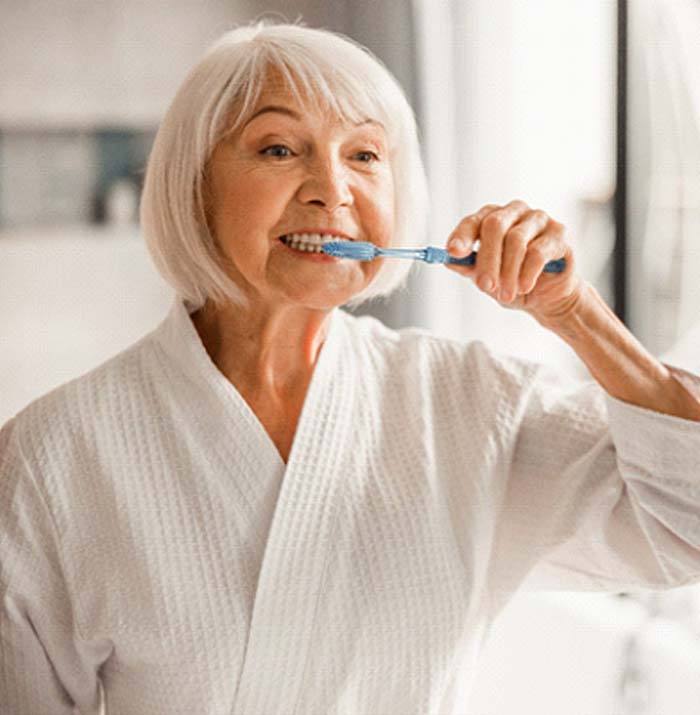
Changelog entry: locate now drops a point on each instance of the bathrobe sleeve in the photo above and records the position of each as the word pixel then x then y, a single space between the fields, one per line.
pixel 599 494
pixel 43 667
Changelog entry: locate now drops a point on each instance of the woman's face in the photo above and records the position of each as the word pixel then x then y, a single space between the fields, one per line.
pixel 292 170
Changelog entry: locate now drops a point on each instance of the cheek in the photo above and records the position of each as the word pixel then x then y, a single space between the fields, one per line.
pixel 383 216
pixel 385 200
pixel 246 210
pixel 242 200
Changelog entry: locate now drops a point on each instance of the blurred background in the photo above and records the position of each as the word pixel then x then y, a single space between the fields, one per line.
pixel 590 111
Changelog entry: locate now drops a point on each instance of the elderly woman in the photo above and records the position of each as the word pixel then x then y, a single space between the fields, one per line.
pixel 267 506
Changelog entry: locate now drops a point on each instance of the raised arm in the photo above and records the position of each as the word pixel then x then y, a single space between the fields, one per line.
pixel 618 361
pixel 516 243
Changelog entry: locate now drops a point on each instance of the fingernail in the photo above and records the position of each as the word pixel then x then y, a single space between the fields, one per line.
pixel 486 283
pixel 457 244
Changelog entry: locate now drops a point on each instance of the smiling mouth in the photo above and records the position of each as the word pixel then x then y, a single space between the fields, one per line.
pixel 309 243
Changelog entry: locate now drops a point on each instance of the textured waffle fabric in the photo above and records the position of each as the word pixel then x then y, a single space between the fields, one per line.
pixel 158 557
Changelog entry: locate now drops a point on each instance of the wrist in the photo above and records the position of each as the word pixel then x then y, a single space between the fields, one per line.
pixel 570 319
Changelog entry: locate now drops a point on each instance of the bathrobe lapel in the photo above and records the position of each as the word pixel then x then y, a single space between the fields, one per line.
pixel 292 572
pixel 295 549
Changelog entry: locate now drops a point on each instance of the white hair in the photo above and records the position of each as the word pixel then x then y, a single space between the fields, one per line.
pixel 325 66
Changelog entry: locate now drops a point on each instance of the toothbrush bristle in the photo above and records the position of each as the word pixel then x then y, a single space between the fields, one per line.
pixel 357 250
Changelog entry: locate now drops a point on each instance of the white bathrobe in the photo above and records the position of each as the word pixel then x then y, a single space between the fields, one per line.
pixel 158 556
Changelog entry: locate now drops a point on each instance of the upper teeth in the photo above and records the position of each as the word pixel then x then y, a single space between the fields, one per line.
pixel 316 238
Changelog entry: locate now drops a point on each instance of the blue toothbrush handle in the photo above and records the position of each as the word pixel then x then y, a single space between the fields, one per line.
pixel 440 255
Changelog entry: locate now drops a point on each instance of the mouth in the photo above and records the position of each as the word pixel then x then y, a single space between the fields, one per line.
pixel 310 242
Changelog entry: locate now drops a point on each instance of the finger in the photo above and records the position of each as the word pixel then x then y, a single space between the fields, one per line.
pixel 542 249
pixel 461 241
pixel 515 246
pixel 493 230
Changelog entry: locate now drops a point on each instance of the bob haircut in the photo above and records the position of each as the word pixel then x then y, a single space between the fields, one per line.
pixel 319 66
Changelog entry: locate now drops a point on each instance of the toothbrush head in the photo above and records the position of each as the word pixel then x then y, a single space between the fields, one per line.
pixel 357 250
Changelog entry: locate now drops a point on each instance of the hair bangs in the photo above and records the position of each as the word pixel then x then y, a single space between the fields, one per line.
pixel 313 81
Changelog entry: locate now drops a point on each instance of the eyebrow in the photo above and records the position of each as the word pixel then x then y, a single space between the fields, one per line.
pixel 295 115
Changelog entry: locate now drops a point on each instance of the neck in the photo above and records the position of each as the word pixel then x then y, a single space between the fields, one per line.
pixel 271 351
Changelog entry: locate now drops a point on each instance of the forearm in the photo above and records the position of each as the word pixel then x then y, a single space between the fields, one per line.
pixel 618 361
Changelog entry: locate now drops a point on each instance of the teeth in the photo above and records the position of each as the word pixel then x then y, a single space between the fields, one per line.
pixel 309 242
pixel 316 238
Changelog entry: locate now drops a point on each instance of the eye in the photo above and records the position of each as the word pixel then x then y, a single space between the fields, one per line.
pixel 277 147
pixel 374 156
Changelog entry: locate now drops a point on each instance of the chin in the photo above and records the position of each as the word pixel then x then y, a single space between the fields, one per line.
pixel 321 301
pixel 323 304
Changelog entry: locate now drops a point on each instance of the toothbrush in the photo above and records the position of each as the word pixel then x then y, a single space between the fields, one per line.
pixel 364 251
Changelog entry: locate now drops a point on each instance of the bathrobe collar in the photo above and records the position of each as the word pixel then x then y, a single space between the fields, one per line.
pixel 314 484
pixel 180 339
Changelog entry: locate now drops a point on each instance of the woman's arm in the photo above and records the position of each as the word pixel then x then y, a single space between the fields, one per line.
pixel 516 243
pixel 45 667
pixel 617 360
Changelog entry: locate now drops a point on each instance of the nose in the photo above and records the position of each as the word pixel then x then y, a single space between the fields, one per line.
pixel 327 185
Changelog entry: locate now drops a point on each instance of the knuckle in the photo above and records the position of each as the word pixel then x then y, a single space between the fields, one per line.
pixel 469 222
pixel 489 207
pixel 493 222
pixel 519 204
pixel 559 228
pixel 516 236
pixel 540 216
pixel 538 252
